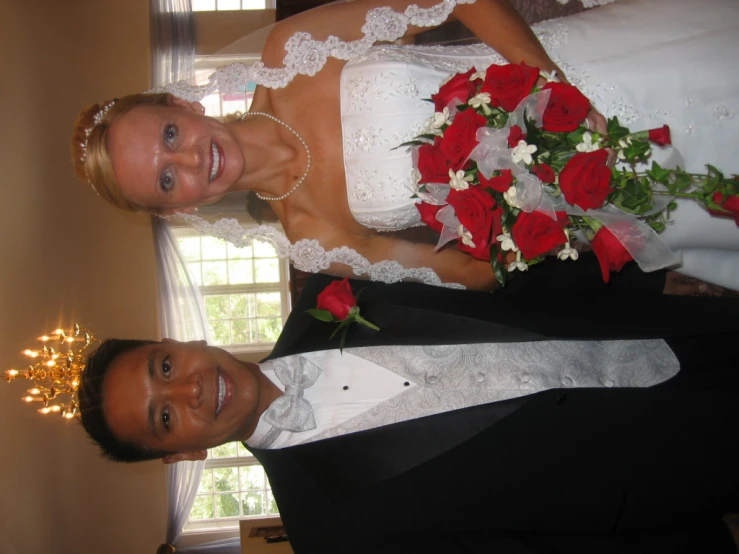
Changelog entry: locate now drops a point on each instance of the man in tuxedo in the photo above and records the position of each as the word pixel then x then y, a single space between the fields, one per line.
pixel 590 461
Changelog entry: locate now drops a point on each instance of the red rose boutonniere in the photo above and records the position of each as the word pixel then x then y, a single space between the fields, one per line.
pixel 337 303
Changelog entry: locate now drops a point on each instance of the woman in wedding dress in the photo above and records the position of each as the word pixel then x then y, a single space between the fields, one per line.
pixel 319 141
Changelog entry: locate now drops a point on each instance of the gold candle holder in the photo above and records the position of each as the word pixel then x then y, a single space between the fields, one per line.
pixel 54 373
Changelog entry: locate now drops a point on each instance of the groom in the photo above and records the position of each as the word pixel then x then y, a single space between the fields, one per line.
pixel 606 468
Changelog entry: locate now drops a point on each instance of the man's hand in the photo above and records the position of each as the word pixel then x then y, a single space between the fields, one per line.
pixel 682 285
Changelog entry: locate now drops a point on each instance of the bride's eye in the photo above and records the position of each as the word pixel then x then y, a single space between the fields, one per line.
pixel 166 180
pixel 170 134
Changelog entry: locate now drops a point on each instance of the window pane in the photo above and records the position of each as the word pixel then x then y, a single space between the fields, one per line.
pixel 241 272
pixel 216 306
pixel 215 273
pixel 220 332
pixel 190 248
pixel 212 104
pixel 271 504
pixel 253 4
pixel 252 503
pixel 229 5
pixel 206 481
pixel 267 271
pixel 268 304
pixel 243 331
pixel 202 508
pixel 194 270
pixel 214 249
pixel 233 103
pixel 252 477
pixel 269 329
pixel 264 250
pixel 226 478
pixel 242 305
pixel 228 450
pixel 227 505
pixel 234 252
pixel 203 5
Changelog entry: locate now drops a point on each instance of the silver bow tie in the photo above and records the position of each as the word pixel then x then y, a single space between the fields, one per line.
pixel 291 412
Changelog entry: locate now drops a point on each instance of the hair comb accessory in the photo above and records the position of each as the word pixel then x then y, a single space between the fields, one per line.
pixel 96 120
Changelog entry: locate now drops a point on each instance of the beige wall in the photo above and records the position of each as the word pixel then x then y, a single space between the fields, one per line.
pixel 66 256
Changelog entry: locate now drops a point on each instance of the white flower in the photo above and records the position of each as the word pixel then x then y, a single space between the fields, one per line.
pixel 587 144
pixel 621 155
pixel 506 242
pixel 437 121
pixel 625 142
pixel 478 75
pixel 522 152
pixel 568 252
pixel 517 265
pixel 510 197
pixel 458 180
pixel 479 99
pixel 465 235
pixel 551 77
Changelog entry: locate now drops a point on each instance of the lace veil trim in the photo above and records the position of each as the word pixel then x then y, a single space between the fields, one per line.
pixel 308 255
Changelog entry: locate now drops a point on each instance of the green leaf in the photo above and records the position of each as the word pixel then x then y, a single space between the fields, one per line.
pixel 323 315
pixel 615 130
pixel 499 269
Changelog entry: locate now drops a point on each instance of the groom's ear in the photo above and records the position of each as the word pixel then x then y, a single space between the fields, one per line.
pixel 193 456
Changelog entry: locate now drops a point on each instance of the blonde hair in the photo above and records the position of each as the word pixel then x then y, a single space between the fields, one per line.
pixel 90 155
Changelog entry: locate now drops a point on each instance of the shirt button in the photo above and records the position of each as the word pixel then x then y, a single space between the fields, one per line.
pixel 406 384
pixel 432 379
pixel 479 377
pixel 567 382
pixel 345 387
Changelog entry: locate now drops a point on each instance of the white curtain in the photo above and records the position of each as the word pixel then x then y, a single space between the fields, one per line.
pixel 172 41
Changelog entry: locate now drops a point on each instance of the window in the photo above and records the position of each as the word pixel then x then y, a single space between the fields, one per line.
pixel 245 290
pixel 234 486
pixel 223 5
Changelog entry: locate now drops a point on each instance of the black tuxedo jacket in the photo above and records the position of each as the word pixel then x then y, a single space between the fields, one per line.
pixel 550 470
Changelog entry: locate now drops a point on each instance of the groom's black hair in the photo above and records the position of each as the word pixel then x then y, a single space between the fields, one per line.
pixel 91 401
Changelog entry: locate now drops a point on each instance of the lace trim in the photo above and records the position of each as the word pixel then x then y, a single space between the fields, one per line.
pixel 306 56
pixel 308 255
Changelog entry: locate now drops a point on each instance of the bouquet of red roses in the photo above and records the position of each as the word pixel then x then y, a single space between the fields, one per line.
pixel 511 171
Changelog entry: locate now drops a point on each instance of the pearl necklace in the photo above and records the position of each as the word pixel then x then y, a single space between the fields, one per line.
pixel 307 151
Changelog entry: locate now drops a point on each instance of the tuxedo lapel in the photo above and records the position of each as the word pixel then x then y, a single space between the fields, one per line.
pixel 361 460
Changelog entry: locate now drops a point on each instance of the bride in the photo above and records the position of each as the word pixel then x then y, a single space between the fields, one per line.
pixel 319 141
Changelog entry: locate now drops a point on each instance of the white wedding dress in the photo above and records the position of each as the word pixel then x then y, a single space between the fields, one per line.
pixel 649 62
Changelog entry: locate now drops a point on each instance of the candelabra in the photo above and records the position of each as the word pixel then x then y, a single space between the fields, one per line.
pixel 55 370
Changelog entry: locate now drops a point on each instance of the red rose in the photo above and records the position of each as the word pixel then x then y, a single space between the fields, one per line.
pixel 514 135
pixel 731 205
pixel 661 136
pixel 566 110
pixel 509 84
pixel 337 298
pixel 474 209
pixel 457 90
pixel 536 233
pixel 586 179
pixel 428 215
pixel 545 173
pixel 501 183
pixel 432 164
pixel 459 138
pixel 611 253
